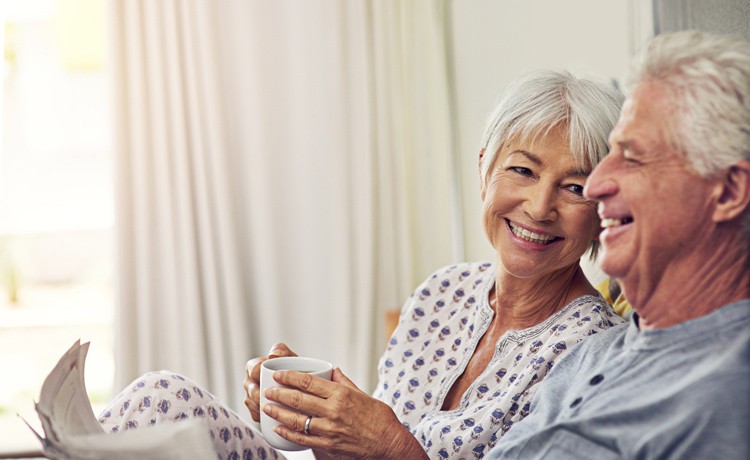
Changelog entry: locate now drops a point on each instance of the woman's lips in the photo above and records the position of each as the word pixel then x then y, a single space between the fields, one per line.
pixel 528 235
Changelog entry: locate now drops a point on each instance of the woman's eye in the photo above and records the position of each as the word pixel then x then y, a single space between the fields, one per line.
pixel 575 188
pixel 521 170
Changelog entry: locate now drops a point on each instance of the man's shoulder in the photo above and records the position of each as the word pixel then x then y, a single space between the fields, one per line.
pixel 606 341
pixel 589 353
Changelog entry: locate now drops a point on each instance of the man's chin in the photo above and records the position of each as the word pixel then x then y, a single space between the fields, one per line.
pixel 613 267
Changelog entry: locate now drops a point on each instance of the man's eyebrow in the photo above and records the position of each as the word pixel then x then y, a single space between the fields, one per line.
pixel 629 144
pixel 573 172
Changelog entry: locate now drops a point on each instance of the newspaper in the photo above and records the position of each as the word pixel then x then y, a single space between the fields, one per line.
pixel 71 430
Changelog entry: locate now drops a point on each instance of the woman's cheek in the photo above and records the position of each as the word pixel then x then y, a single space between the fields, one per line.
pixel 491 224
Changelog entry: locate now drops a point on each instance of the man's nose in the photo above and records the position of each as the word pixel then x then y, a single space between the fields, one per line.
pixel 600 182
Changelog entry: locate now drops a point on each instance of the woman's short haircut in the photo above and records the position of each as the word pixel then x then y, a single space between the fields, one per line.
pixel 540 101
pixel 708 77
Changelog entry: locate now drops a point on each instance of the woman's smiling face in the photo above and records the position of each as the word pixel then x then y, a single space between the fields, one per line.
pixel 535 214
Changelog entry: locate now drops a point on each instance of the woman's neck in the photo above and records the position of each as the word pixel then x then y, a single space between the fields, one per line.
pixel 520 303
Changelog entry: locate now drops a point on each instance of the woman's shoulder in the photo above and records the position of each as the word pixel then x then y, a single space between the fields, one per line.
pixel 593 304
pixel 460 272
pixel 584 316
pixel 462 283
pixel 456 279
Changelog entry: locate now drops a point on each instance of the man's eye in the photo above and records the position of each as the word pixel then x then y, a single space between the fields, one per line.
pixel 630 160
pixel 521 170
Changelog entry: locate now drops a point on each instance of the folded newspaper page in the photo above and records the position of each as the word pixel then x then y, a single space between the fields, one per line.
pixel 71 430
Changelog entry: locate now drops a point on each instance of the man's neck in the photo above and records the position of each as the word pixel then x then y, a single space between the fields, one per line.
pixel 718 276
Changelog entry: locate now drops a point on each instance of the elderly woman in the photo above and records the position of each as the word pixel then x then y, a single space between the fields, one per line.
pixel 474 339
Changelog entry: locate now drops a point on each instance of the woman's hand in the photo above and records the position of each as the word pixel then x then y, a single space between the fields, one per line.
pixel 347 422
pixel 252 378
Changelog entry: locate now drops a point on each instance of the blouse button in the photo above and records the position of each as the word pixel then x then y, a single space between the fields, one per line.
pixel 576 402
pixel 597 379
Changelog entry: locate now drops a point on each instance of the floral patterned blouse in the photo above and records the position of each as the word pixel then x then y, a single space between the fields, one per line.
pixel 440 326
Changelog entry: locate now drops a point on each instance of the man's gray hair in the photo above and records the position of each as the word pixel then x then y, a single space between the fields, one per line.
pixel 708 77
pixel 540 101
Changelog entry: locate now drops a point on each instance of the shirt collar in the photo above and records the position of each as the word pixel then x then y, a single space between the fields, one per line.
pixel 732 316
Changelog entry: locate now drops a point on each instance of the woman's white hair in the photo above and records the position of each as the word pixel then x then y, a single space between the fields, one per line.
pixel 709 79
pixel 540 101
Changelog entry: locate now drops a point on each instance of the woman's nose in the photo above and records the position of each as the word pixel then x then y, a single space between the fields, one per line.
pixel 541 204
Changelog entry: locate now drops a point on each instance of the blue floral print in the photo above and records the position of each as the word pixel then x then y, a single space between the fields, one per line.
pixel 439 328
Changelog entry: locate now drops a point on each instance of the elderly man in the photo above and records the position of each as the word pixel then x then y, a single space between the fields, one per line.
pixel 674 199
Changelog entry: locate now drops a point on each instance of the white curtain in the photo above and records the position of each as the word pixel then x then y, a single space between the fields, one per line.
pixel 287 172
pixel 180 299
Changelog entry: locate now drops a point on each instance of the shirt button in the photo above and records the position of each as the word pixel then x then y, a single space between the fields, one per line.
pixel 576 402
pixel 597 379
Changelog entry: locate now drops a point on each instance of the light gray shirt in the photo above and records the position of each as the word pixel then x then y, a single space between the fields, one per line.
pixel 676 393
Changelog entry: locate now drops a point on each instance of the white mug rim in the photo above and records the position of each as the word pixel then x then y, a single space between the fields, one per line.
pixel 280 363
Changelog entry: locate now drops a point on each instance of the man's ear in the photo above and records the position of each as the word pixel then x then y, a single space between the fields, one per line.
pixel 482 186
pixel 735 192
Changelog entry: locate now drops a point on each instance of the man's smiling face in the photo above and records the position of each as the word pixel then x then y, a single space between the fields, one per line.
pixel 652 204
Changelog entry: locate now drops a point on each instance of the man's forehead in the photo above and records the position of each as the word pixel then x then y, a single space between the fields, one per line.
pixel 645 114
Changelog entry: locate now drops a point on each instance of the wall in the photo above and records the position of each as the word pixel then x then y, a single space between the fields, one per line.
pixel 718 16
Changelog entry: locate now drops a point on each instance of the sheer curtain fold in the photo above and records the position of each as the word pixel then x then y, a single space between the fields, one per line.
pixel 284 174
pixel 178 304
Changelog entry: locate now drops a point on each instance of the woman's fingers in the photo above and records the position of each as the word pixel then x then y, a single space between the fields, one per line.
pixel 280 349
pixel 306 382
pixel 252 368
pixel 339 377
pixel 347 422
pixel 299 437
pixel 292 427
pixel 252 377
pixel 314 395
pixel 294 420
pixel 298 400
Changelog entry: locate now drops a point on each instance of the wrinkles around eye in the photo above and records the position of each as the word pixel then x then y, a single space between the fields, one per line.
pixel 521 170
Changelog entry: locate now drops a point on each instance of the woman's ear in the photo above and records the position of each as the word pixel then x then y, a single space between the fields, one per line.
pixel 734 197
pixel 482 187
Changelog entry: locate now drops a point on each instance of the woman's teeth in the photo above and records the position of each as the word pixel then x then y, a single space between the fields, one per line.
pixel 530 236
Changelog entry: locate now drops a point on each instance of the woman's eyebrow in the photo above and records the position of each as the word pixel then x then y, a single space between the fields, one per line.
pixel 573 172
pixel 532 157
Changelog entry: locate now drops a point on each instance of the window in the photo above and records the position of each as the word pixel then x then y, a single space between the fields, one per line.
pixel 56 202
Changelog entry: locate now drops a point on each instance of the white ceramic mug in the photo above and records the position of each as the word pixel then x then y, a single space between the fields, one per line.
pixel 316 367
